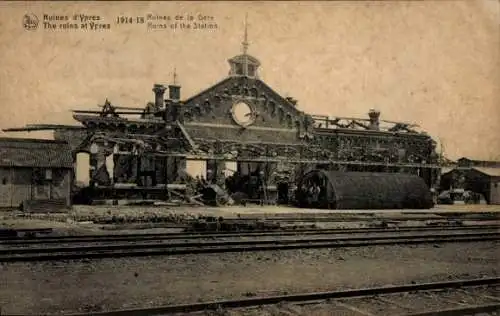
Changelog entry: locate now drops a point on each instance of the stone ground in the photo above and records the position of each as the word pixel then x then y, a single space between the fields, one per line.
pixel 95 285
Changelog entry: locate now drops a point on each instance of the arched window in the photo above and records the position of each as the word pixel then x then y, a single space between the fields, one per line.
pixel 217 100
pixel 235 90
pixel 239 69
pixel 197 110
pixel 254 93
pixel 281 114
pixel 251 71
pixel 272 108
pixel 188 116
pixel 207 106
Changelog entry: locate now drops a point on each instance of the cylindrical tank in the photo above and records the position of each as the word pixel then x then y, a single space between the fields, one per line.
pixel 362 190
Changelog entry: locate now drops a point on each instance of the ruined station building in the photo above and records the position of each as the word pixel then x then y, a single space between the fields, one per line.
pixel 241 127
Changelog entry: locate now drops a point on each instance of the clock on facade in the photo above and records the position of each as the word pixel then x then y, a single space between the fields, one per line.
pixel 243 114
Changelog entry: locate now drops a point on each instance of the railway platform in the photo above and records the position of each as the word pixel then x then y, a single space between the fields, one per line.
pixel 103 218
pixel 278 210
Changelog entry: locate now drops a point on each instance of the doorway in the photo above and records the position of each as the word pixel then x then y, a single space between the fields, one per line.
pixel 283 189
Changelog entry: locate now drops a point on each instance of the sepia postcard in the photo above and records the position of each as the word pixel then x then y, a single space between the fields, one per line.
pixel 249 157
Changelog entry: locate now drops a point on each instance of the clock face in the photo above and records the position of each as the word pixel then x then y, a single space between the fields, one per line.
pixel 243 114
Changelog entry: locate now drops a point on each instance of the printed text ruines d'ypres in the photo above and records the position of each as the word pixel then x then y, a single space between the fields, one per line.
pixel 87 21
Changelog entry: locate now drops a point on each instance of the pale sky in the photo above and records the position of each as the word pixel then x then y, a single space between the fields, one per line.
pixel 432 63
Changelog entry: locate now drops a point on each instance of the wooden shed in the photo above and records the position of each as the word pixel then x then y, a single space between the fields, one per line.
pixel 35 174
pixel 362 190
pixel 482 180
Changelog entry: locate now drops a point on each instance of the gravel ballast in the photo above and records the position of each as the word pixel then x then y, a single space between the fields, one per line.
pixel 95 285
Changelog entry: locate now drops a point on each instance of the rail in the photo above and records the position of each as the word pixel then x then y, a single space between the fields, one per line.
pixel 162 249
pixel 228 234
pixel 307 297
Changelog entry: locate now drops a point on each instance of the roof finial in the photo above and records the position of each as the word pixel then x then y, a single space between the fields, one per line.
pixel 175 76
pixel 245 40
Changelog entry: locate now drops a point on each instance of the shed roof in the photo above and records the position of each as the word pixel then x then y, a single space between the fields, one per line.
pixel 40 153
pixel 492 172
pixel 478 163
pixel 488 171
pixel 445 170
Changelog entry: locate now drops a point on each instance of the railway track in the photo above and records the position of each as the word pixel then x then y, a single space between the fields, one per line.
pixel 165 222
pixel 212 235
pixel 372 217
pixel 180 248
pixel 459 297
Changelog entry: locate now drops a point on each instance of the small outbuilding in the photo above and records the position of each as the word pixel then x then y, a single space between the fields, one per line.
pixel 362 190
pixel 35 174
pixel 484 181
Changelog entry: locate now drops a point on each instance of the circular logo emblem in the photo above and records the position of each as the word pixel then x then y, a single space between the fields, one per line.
pixel 243 114
pixel 30 22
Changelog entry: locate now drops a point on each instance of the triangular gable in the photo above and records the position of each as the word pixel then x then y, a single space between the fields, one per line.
pixel 207 90
pixel 215 105
pixel 289 106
